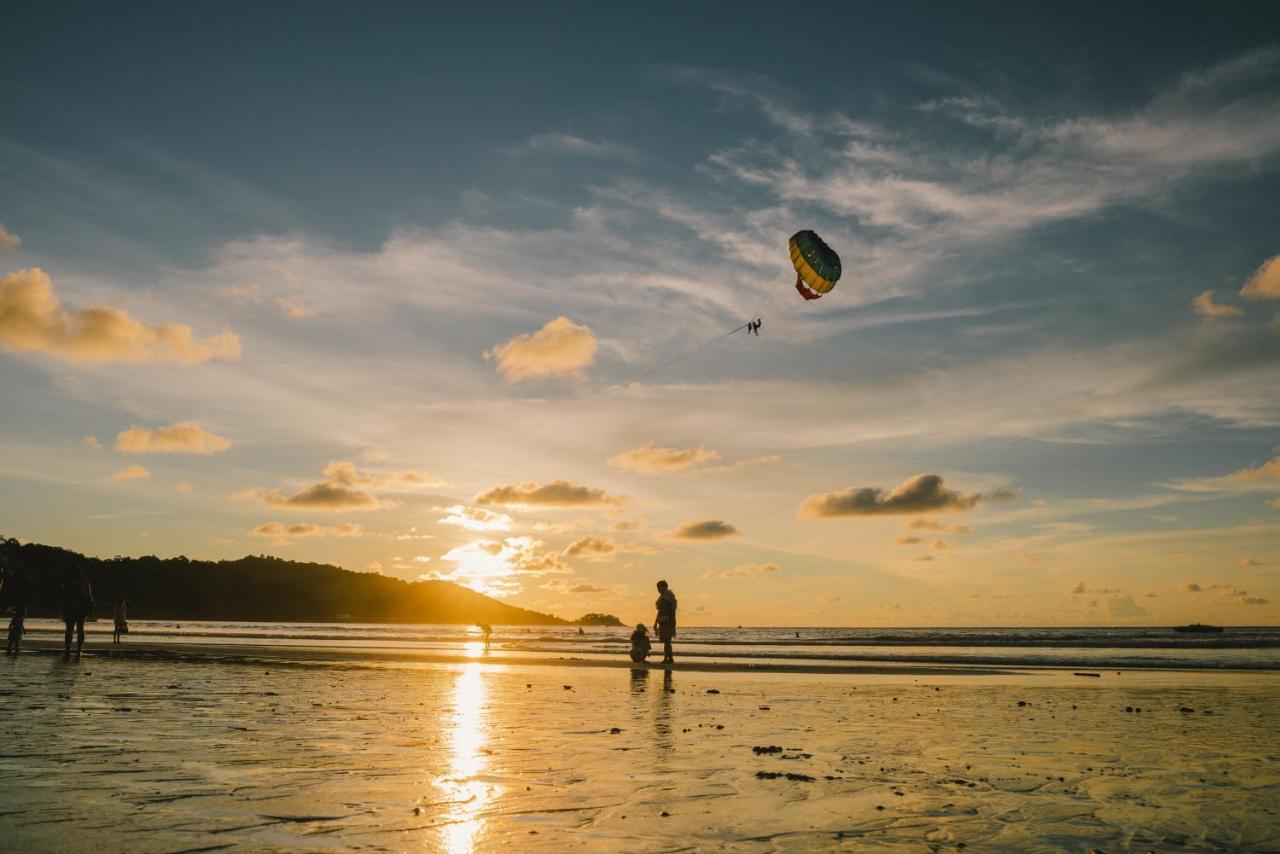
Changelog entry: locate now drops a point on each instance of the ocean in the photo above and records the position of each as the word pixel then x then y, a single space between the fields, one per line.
pixel 1237 648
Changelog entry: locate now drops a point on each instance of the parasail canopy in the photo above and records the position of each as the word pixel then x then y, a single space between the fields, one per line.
pixel 817 265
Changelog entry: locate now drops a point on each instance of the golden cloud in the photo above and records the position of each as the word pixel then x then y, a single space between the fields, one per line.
pixel 8 240
pixel 326 497
pixel 1204 306
pixel 131 473
pixel 345 472
pixel 1265 281
pixel 604 549
pixel 1268 471
pixel 649 459
pixel 174 439
pixel 705 529
pixel 475 518
pixel 32 320
pixel 924 493
pixel 745 570
pixel 558 493
pixel 561 348
pixel 907 541
pixel 306 529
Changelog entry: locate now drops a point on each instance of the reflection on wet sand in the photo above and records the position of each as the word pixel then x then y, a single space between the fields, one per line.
pixel 465 793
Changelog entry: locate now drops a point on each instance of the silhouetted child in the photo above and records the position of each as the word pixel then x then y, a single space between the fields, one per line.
pixel 640 643
pixel 121 621
pixel 16 630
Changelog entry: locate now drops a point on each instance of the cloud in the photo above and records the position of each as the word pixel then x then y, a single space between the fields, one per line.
pixel 131 473
pixel 561 348
pixel 1265 477
pixel 558 493
pixel 745 570
pixel 32 320
pixel 565 143
pixel 1124 607
pixel 1248 562
pixel 306 529
pixel 604 549
pixel 1204 306
pixel 649 459
pixel 91 442
pixel 8 240
pixel 923 524
pixel 707 529
pixel 1253 600
pixel 345 472
pixel 1192 587
pixel 1028 558
pixel 1078 589
pixel 592 548
pixel 174 439
pixel 326 497
pixel 1265 281
pixel 739 465
pixel 924 493
pixel 939 545
pixel 586 588
pixel 1273 503
pixel 475 518
pixel 907 541
pixel 494 567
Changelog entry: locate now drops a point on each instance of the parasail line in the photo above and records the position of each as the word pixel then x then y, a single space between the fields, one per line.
pixel 667 363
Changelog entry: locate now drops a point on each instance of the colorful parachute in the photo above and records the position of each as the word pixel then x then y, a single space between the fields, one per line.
pixel 817 265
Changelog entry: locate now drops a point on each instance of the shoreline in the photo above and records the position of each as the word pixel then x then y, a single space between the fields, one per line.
pixel 241 653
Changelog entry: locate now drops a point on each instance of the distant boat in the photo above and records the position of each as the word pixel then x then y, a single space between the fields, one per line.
pixel 1198 628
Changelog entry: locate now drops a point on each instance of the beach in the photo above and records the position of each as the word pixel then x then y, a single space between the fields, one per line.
pixel 204 746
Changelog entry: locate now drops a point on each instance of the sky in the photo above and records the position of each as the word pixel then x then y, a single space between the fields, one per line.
pixel 406 289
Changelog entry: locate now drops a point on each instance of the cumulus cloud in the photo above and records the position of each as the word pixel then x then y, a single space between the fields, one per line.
pixel 306 529
pixel 1204 306
pixel 706 529
pixel 91 442
pixel 475 518
pixel 650 459
pixel 907 541
pixel 345 472
pixel 561 348
pixel 131 473
pixel 924 493
pixel 8 240
pixel 745 570
pixel 1265 281
pixel 559 493
pixel 33 320
pixel 604 549
pixel 326 497
pixel 174 439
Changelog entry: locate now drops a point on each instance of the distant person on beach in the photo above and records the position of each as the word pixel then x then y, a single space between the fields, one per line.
pixel 485 631
pixel 640 644
pixel 77 602
pixel 16 630
pixel 120 620
pixel 665 624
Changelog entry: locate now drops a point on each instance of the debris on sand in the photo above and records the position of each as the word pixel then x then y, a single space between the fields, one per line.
pixel 772 748
pixel 1094 675
pixel 775 775
pixel 713 691
pixel 1186 710
pixel 615 730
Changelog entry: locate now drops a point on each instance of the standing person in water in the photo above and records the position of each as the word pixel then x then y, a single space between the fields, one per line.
pixel 665 624
pixel 121 621
pixel 77 602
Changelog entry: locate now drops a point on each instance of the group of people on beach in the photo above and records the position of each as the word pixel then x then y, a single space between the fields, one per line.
pixel 77 604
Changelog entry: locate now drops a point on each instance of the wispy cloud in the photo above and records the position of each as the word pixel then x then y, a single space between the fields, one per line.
pixel 174 439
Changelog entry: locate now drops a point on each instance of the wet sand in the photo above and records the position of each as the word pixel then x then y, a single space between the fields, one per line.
pixel 273 749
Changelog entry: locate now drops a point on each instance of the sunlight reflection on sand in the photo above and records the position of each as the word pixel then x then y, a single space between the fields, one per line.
pixel 468 796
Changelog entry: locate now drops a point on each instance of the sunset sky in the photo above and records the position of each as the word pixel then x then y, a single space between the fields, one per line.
pixel 382 286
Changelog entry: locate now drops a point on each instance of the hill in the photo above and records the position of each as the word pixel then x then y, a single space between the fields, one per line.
pixel 251 588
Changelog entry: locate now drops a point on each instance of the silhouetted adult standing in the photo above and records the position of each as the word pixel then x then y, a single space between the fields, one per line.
pixel 665 624
pixel 77 602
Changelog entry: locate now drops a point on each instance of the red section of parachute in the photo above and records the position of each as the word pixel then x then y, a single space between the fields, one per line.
pixel 805 290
